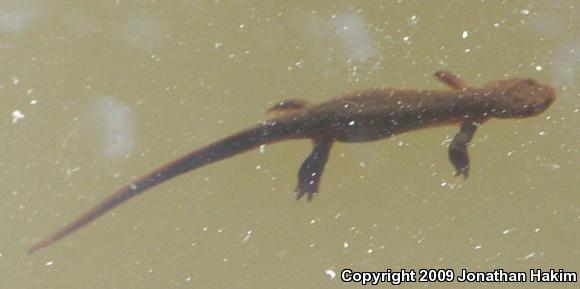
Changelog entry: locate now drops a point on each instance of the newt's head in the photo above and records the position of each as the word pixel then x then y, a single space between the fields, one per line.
pixel 519 97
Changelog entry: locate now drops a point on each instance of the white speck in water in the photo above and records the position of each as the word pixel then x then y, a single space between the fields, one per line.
pixel 262 149
pixel 507 231
pixel 537 230
pixel 204 229
pixel 351 123
pixel 247 236
pixel 529 256
pixel 413 20
pixel 369 251
pixel 525 11
pixel 362 165
pixel 116 122
pixel 443 184
pixel 225 260
pixel 330 273
pixel 467 50
pixel 312 221
pixel 15 80
pixel 33 101
pixel 539 68
pixel 541 133
pixel 218 45
pixel 351 31
pixel 49 263
pixel 337 216
pixel 71 171
pixel 406 39
pixel 188 279
pixel 16 116
pixel 478 247
pixel 345 245
pixel 242 26
pixel 29 91
pixel 465 34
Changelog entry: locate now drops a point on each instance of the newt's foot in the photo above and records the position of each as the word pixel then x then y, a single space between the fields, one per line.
pixel 458 154
pixel 458 147
pixel 289 105
pixel 311 170
pixel 462 171
pixel 309 192
pixel 309 175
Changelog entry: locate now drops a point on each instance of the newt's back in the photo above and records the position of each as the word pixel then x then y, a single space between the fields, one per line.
pixel 374 114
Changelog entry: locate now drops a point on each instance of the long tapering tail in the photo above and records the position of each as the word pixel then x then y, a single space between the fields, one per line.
pixel 227 147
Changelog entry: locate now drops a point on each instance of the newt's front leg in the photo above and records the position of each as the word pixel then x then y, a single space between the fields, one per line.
pixel 458 147
pixel 312 169
pixel 289 105
pixel 451 79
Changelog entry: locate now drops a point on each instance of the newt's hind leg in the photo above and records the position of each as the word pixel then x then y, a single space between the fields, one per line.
pixel 451 79
pixel 312 169
pixel 289 105
pixel 458 147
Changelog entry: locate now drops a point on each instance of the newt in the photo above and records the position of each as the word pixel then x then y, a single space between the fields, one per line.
pixel 359 116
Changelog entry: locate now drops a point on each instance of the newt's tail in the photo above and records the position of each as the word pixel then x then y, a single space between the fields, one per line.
pixel 227 147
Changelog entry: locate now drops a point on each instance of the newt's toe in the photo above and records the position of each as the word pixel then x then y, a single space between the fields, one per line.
pixel 301 192
pixel 462 172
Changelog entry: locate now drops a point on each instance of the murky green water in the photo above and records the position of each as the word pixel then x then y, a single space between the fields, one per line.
pixel 95 94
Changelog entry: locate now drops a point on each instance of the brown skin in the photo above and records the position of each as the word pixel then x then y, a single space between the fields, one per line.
pixel 359 116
